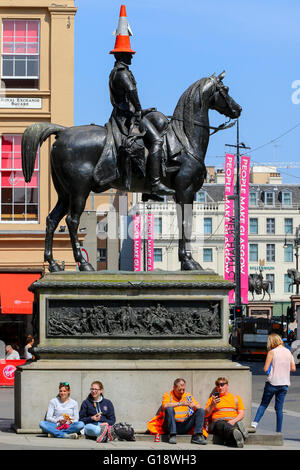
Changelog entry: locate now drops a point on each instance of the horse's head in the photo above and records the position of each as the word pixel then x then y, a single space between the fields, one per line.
pixel 291 273
pixel 217 96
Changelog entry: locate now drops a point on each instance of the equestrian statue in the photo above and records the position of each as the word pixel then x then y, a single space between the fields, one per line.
pixel 258 285
pixel 295 276
pixel 137 150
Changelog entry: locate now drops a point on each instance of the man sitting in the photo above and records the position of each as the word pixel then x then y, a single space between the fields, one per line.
pixel 180 414
pixel 226 412
pixel 11 353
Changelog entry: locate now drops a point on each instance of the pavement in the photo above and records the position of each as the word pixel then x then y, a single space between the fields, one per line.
pixel 145 450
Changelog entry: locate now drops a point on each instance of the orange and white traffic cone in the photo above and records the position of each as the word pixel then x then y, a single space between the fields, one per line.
pixel 123 32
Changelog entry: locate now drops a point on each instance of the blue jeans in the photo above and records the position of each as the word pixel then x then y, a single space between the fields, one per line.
pixel 50 428
pixel 280 392
pixel 196 421
pixel 92 429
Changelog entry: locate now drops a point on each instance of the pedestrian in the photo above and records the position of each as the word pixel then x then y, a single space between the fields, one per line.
pixel 28 345
pixel 62 415
pixel 282 363
pixel 11 353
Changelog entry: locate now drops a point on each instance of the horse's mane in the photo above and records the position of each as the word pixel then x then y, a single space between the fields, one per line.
pixel 184 112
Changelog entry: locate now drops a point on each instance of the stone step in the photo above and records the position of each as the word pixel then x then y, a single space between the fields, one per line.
pixel 257 438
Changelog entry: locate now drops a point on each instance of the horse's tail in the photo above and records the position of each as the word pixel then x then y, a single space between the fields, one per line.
pixel 32 137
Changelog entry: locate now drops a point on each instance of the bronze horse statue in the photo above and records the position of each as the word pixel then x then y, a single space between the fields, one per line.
pixel 77 150
pixel 258 285
pixel 295 276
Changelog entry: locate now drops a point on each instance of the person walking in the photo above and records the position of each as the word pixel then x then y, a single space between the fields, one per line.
pixel 278 365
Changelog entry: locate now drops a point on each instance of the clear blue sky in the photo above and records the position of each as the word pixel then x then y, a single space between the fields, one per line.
pixel 177 42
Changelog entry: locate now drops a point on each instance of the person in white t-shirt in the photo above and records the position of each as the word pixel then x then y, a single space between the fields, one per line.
pixel 11 353
pixel 278 365
pixel 62 419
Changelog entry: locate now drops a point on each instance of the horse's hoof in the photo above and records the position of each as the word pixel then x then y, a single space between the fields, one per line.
pixel 54 268
pixel 86 267
pixel 190 265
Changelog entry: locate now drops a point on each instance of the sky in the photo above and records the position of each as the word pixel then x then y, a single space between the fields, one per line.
pixel 257 43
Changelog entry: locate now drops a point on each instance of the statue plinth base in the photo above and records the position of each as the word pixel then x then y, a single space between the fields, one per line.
pixel 260 309
pixel 136 332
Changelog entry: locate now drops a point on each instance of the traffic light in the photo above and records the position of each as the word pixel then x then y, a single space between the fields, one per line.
pixel 290 315
pixel 238 311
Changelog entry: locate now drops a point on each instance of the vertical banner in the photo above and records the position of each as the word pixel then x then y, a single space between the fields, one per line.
pixel 244 206
pixel 150 242
pixel 229 245
pixel 137 244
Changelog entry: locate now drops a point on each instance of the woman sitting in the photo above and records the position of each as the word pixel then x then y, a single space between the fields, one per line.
pixel 62 419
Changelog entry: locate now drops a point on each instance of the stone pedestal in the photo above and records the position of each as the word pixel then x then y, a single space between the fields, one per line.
pixel 136 332
pixel 260 309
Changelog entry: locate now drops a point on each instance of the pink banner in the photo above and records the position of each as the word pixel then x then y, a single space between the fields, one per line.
pixel 229 246
pixel 137 242
pixel 244 205
pixel 150 242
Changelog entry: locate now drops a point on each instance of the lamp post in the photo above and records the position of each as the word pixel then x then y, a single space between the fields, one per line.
pixel 237 235
pixel 296 244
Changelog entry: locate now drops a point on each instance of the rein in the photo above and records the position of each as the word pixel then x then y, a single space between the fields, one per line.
pixel 221 127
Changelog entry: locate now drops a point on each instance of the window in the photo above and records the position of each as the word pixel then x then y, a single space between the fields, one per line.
pixel 253 252
pixel 270 225
pixel 158 254
pixel 252 198
pixel 288 253
pixel 19 200
pixel 207 225
pixel 271 279
pixel 287 198
pixel 254 226
pixel 269 198
pixel 270 252
pixel 157 225
pixel 20 53
pixel 101 254
pixel 207 255
pixel 287 282
pixel 201 196
pixel 288 226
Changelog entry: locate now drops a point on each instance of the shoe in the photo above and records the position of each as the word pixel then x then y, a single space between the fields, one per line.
pixel 103 433
pixel 73 435
pixel 198 439
pixel 253 426
pixel 172 439
pixel 241 427
pixel 152 197
pixel 160 189
pixel 238 437
pixel 49 435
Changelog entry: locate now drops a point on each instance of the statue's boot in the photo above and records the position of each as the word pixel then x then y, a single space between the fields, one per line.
pixel 157 187
pixel 152 197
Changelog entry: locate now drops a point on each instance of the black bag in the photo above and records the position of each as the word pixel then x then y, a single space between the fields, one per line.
pixel 123 432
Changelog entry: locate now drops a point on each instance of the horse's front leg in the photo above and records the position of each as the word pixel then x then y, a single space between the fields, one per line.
pixel 184 210
pixel 73 218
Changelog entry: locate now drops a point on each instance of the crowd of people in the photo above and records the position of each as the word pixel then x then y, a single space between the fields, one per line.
pixel 180 412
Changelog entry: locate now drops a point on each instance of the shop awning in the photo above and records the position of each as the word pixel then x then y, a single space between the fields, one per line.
pixel 14 294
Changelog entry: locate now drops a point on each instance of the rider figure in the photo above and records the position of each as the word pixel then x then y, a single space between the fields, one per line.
pixel 127 108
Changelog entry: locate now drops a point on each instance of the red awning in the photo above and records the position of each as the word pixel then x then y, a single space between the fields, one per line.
pixel 14 294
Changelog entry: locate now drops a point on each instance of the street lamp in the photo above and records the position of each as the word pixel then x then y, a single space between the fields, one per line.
pixel 296 244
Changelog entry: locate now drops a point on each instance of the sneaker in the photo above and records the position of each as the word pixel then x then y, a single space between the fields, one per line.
pixel 172 439
pixel 238 437
pixel 49 435
pixel 253 427
pixel 198 439
pixel 103 433
pixel 241 427
pixel 73 435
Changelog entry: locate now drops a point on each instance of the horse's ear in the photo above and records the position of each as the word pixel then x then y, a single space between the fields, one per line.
pixel 221 76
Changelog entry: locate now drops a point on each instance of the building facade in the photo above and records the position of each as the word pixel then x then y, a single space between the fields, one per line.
pixel 37 75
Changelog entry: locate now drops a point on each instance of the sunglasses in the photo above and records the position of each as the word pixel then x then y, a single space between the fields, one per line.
pixel 221 384
pixel 64 384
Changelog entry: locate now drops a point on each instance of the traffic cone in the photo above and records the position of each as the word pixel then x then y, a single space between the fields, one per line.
pixel 123 32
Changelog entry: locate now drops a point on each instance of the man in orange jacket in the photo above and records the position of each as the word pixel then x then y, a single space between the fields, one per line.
pixel 182 413
pixel 226 412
